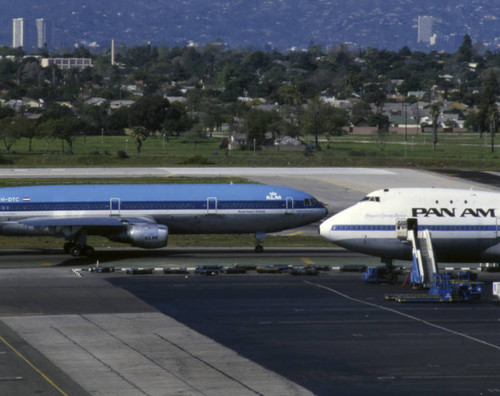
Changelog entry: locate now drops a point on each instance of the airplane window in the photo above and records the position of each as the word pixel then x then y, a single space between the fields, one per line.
pixel 371 199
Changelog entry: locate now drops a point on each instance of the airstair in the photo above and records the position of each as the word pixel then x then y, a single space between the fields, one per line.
pixel 424 262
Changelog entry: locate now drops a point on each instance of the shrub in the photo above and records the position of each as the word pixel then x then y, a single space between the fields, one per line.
pixel 196 160
pixel 122 154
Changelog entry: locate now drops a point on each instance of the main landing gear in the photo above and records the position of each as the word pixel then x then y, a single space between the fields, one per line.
pixel 391 275
pixel 78 246
pixel 77 250
pixel 258 239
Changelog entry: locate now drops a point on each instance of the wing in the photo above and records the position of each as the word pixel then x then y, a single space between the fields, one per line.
pixel 85 221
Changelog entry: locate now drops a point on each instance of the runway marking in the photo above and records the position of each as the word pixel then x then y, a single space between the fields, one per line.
pixel 33 367
pixel 425 322
pixel 295 233
pixel 307 260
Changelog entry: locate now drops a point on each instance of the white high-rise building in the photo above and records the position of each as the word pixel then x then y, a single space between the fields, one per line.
pixel 425 29
pixel 20 33
pixel 43 33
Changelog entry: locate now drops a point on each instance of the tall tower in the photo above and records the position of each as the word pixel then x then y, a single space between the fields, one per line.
pixel 20 33
pixel 424 29
pixel 43 33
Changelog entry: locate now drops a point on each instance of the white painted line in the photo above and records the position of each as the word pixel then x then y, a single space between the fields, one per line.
pixel 425 322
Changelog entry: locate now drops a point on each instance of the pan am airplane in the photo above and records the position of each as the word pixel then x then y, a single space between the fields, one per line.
pixel 463 225
pixel 144 215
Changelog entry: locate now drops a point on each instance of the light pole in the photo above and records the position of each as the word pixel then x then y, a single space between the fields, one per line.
pixel 405 106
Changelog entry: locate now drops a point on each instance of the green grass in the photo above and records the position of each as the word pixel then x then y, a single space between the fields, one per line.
pixel 192 240
pixel 456 150
pixel 132 180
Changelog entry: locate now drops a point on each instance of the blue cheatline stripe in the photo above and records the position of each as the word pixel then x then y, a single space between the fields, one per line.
pixel 384 227
pixel 150 205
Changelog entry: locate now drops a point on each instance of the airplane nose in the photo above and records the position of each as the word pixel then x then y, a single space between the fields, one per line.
pixel 324 228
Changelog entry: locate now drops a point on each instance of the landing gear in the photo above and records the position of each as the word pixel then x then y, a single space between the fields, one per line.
pixel 75 250
pixel 259 249
pixel 258 239
pixel 391 275
pixel 78 246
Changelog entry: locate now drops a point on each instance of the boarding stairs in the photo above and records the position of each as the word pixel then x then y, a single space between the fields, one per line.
pixel 424 263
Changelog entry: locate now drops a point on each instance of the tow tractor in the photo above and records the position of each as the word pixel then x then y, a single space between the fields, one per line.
pixel 447 287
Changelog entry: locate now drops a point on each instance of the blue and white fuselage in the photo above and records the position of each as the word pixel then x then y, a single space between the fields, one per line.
pixel 464 224
pixel 144 215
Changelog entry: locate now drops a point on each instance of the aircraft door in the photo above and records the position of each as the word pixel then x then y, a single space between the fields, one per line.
pixel 211 205
pixel 401 229
pixel 114 206
pixel 498 227
pixel 289 204
pixel 403 226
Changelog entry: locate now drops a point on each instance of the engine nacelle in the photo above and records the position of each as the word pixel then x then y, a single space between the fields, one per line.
pixel 147 236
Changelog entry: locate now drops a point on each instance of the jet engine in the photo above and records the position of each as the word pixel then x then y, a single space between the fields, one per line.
pixel 147 236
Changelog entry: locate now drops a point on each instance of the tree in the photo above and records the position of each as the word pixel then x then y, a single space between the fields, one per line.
pixel 377 97
pixel 257 123
pixel 490 90
pixel 288 95
pixel 381 121
pixel 360 112
pixel 211 116
pixel 493 118
pixel 68 129
pixel 337 120
pixel 322 119
pixel 435 110
pixel 177 119
pixel 472 122
pixel 9 132
pixel 27 129
pixel 465 51
pixel 149 112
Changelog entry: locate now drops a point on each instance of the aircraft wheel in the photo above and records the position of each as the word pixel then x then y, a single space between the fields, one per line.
pixel 75 251
pixel 67 247
pixel 88 251
pixel 259 249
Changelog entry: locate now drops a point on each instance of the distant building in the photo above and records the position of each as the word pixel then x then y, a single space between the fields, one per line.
pixel 43 33
pixel 20 33
pixel 425 29
pixel 67 63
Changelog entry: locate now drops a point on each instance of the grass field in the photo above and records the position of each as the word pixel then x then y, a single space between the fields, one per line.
pixel 456 150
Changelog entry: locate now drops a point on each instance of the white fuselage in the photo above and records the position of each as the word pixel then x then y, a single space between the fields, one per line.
pixel 464 224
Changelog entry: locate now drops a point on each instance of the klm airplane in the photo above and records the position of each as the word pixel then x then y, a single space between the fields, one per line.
pixel 144 215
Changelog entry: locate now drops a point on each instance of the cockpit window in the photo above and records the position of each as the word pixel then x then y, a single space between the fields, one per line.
pixel 310 202
pixel 371 199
